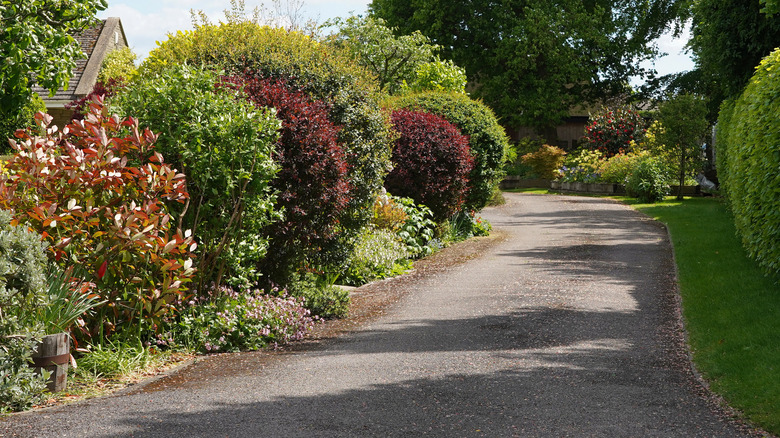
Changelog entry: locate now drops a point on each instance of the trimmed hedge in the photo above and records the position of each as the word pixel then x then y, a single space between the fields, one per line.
pixel 314 69
pixel 432 162
pixel 748 150
pixel 487 138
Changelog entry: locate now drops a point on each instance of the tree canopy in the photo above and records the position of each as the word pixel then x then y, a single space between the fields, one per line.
pixel 36 46
pixel 532 60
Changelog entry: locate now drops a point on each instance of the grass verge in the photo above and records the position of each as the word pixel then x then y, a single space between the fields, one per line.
pixel 731 309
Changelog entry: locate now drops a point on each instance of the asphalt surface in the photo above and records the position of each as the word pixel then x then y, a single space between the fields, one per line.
pixel 567 326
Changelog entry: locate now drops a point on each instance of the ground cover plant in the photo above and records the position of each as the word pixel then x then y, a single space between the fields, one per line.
pixel 730 307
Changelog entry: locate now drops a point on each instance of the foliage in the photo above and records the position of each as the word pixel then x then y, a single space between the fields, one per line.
pixel 582 166
pixel 616 169
pixel 322 297
pixel 750 151
pixel 36 46
pixel 545 161
pixel 684 123
pixel 110 359
pixel 729 39
pixel 487 139
pixel 611 131
pixel 24 118
pixel 96 193
pixel 432 162
pixel 118 64
pixel 372 45
pixel 647 182
pixel 307 150
pixel 22 292
pixel 224 320
pixel 551 55
pixel 69 300
pixel 378 254
pixel 223 145
pixel 242 47
pixel 105 90
pixel 771 7
pixel 465 225
pixel 412 223
pixel 437 75
pixel 514 164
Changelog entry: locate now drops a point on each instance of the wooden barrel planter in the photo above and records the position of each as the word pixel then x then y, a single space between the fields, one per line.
pixel 53 355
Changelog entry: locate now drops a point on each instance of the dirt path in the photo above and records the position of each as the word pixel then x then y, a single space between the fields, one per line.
pixel 564 325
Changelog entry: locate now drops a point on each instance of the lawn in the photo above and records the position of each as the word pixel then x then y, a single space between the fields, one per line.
pixel 731 308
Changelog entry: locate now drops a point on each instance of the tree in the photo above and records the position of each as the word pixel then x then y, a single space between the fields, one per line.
pixel 729 39
pixel 771 7
pixel 36 46
pixel 684 124
pixel 532 60
pixel 372 44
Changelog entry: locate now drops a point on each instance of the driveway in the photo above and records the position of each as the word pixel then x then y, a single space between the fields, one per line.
pixel 565 324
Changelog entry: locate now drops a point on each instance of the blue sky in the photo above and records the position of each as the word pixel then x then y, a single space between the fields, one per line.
pixel 147 21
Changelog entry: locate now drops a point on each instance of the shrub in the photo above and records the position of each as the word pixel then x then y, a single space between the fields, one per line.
pixel 432 162
pixel 612 130
pixel 307 151
pixel 749 159
pixel 24 119
pixel 224 146
pixel 378 254
pixel 487 139
pixel 546 161
pixel 514 164
pixel 228 320
pixel 95 192
pixel 389 214
pixel 647 181
pixel 105 90
pixel 322 297
pixel 418 227
pixel 118 64
pixel 245 48
pixel 22 292
pixel 616 169
pixel 581 166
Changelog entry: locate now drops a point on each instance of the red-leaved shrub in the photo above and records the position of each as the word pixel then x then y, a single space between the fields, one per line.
pixel 432 162
pixel 313 180
pixel 105 89
pixel 96 191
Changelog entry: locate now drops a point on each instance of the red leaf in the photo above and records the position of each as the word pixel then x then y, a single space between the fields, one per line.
pixel 102 270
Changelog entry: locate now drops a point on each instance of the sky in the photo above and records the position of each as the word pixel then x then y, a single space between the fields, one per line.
pixel 148 21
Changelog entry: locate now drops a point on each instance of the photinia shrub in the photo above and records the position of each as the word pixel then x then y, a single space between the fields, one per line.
pixel 96 192
pixel 432 162
pixel 105 89
pixel 612 130
pixel 313 181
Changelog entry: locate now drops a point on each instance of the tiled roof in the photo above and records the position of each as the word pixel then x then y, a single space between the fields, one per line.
pixel 87 39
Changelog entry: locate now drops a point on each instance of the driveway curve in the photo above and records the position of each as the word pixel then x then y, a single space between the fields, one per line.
pixel 566 326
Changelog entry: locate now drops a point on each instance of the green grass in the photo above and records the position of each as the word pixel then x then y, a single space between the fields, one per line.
pixel 535 191
pixel 731 308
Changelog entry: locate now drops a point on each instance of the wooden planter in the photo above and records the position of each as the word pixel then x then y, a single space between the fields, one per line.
pixel 53 355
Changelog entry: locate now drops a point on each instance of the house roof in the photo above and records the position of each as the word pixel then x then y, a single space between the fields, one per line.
pixel 95 42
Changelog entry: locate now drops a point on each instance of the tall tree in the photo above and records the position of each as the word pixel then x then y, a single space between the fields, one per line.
pixel 532 60
pixel 729 39
pixel 36 46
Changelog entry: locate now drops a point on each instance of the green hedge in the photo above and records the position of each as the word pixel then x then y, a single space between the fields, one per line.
pixel 487 139
pixel 748 149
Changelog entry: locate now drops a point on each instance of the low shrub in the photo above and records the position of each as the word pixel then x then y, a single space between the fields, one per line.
pixel 466 225
pixel 487 139
pixel 378 254
pixel 748 149
pixel 432 162
pixel 616 169
pixel 419 228
pixel 224 320
pixel 322 297
pixel 96 192
pixel 22 293
pixel 104 89
pixel 648 181
pixel 612 130
pixel 581 166
pixel 514 165
pixel 545 161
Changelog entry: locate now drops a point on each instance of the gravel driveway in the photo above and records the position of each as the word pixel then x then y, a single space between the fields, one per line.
pixel 563 324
